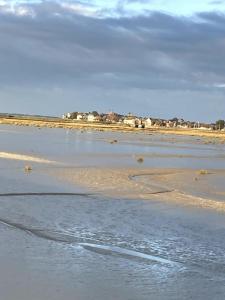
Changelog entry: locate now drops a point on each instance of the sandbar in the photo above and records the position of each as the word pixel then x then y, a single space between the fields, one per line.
pixel 178 186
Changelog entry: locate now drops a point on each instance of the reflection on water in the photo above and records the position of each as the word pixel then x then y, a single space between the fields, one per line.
pixel 95 148
pixel 57 242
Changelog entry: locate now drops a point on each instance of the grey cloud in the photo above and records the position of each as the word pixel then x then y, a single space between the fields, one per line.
pixel 72 46
pixel 61 48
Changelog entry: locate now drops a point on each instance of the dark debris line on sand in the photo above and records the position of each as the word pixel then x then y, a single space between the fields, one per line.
pixel 44 194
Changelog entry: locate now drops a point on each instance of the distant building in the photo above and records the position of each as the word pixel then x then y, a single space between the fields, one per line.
pixel 148 123
pixel 203 126
pixel 159 123
pixel 81 116
pixel 171 124
pixel 66 116
pixel 131 120
pixel 112 117
pixel 93 117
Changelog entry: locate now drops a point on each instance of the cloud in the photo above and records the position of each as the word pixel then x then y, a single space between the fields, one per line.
pixel 216 2
pixel 220 85
pixel 157 50
pixel 52 45
pixel 79 8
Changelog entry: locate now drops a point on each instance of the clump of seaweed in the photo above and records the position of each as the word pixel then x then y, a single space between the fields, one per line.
pixel 140 160
pixel 113 141
pixel 27 168
pixel 203 172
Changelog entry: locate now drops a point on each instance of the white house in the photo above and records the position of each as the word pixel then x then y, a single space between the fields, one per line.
pixel 80 116
pixel 93 117
pixel 66 116
pixel 148 123
pixel 130 121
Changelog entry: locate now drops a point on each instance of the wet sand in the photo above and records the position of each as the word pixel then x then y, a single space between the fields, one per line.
pixel 91 222
pixel 192 187
pixel 199 188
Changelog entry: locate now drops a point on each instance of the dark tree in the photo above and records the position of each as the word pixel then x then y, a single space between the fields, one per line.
pixel 95 113
pixel 220 124
pixel 73 115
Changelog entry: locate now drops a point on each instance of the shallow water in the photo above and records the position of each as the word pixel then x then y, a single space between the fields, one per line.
pixel 63 246
pixel 91 148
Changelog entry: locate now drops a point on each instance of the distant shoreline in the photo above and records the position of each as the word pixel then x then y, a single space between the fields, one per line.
pixel 49 122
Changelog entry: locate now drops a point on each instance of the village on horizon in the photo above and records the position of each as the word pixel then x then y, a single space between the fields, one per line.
pixel 140 122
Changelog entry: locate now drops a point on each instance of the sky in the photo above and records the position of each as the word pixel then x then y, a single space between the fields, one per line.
pixel 159 58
